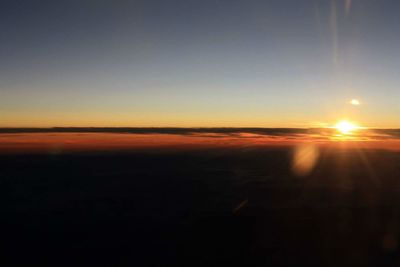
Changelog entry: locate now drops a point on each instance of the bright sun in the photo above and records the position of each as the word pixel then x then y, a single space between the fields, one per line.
pixel 345 127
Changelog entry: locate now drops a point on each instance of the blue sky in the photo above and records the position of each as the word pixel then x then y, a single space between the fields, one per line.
pixel 199 63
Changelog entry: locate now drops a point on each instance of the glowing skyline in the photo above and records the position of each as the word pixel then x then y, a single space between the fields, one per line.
pixel 199 63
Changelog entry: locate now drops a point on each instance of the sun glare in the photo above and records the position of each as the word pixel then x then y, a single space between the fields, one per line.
pixel 345 127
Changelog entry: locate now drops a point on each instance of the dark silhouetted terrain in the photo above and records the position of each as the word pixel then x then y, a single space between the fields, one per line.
pixel 211 207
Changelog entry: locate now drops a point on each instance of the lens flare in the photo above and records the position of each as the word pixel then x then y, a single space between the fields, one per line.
pixel 305 158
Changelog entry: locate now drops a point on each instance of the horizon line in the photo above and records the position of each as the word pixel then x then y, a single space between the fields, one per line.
pixel 114 129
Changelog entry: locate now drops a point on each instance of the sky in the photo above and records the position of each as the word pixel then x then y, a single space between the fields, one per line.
pixel 199 63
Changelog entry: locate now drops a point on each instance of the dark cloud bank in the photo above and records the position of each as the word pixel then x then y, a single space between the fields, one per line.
pixel 219 132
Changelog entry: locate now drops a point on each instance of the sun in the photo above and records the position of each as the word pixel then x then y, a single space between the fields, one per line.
pixel 345 127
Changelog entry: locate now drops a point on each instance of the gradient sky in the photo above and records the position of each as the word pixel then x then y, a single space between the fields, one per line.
pixel 199 63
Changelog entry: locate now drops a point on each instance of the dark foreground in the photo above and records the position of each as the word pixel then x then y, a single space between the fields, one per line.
pixel 222 207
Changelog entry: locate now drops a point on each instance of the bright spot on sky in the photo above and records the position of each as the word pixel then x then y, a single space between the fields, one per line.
pixel 345 127
pixel 355 102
